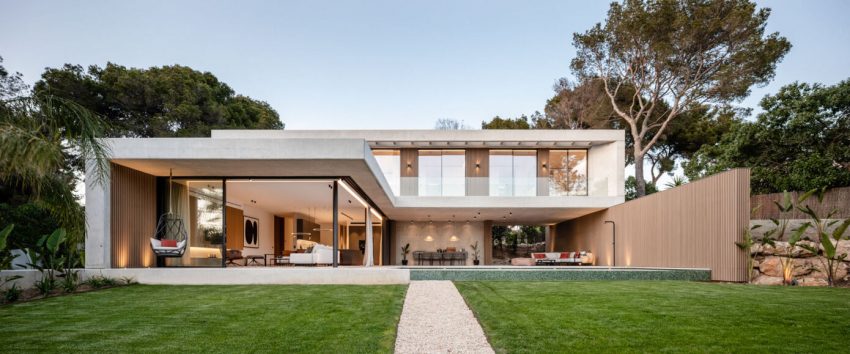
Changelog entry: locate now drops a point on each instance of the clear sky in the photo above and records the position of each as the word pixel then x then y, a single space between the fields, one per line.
pixel 371 64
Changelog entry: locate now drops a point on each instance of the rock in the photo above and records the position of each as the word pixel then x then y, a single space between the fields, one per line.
pixel 810 281
pixel 756 249
pixel 801 267
pixel 755 264
pixel 771 266
pixel 843 248
pixel 801 251
pixel 780 248
pixel 767 280
pixel 820 265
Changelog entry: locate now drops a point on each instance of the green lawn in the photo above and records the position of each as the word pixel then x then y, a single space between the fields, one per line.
pixel 675 316
pixel 231 319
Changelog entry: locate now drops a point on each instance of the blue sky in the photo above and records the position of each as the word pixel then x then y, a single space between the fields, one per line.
pixel 371 64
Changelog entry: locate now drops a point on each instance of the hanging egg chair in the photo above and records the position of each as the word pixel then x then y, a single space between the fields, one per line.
pixel 170 238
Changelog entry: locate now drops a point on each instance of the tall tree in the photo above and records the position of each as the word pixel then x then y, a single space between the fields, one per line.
pixel 800 142
pixel 449 124
pixel 586 106
pixel 157 102
pixel 675 55
pixel 40 137
pixel 536 121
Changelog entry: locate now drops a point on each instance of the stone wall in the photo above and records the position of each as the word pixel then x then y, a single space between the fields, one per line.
pixel 808 269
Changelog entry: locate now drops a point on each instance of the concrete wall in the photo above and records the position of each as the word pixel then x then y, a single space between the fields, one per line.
pixel 692 226
pixel 237 275
pixel 605 172
pixel 424 236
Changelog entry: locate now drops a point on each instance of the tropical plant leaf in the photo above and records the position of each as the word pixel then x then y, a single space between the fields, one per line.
pixel 798 232
pixel 837 233
pixel 828 247
pixel 803 197
pixel 55 240
pixel 4 235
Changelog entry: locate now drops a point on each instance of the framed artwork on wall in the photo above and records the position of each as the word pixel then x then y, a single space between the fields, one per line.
pixel 252 232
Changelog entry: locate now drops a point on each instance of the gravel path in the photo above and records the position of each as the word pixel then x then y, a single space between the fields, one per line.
pixel 435 319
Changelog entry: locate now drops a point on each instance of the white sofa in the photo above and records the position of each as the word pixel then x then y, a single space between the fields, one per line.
pixel 580 258
pixel 320 254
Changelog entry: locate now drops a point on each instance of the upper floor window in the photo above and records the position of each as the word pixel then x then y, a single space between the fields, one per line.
pixel 442 173
pixel 513 173
pixel 390 163
pixel 567 172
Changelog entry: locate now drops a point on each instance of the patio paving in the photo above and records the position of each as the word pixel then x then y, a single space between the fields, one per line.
pixel 435 319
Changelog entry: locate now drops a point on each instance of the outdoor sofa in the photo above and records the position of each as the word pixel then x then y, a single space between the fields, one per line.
pixel 550 258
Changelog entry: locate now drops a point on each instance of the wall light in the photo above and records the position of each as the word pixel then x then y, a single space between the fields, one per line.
pixel 453 239
pixel 429 238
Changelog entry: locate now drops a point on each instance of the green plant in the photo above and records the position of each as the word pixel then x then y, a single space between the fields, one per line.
pixel 50 258
pixel 45 286
pixel 13 292
pixel 128 280
pixel 475 251
pixel 677 181
pixel 70 281
pixel 746 244
pixel 405 250
pixel 99 281
pixel 5 255
pixel 831 259
pixel 781 227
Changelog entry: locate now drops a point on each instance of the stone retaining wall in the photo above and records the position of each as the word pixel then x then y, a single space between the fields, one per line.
pixel 808 269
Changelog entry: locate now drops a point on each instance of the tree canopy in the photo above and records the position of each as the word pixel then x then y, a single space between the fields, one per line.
pixel 167 101
pixel 675 55
pixel 800 142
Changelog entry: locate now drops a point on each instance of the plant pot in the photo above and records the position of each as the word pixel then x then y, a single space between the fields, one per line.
pixel 475 261
pixel 403 262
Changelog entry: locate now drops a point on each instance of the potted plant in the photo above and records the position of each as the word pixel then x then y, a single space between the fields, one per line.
pixel 474 247
pixel 405 250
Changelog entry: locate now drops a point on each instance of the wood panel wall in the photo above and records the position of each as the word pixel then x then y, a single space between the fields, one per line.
pixel 836 199
pixel 409 184
pixel 692 226
pixel 132 217
pixel 235 235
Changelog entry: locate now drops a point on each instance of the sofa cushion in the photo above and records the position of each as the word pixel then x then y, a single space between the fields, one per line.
pixel 565 255
pixel 538 255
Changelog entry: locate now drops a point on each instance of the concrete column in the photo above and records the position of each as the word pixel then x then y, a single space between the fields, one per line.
pixel 98 245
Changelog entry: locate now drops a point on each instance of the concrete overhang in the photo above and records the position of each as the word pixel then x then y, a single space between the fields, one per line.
pixel 489 138
pixel 331 157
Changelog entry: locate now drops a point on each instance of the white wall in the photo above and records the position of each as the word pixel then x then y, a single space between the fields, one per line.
pixel 440 237
pixel 266 232
pixel 605 170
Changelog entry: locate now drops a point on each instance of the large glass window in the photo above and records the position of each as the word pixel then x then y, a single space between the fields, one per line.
pixel 567 172
pixel 442 173
pixel 513 173
pixel 200 205
pixel 390 163
pixel 501 173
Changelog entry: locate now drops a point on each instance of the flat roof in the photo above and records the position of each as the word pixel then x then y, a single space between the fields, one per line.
pixel 489 138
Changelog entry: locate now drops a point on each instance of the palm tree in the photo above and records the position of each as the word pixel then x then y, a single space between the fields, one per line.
pixel 677 181
pixel 44 143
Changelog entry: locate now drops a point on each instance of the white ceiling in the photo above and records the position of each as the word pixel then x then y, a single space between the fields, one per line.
pixel 313 199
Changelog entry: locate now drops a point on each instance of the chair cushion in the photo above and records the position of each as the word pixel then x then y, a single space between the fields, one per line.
pixel 168 243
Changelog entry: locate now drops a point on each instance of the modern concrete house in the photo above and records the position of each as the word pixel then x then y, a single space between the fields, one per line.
pixel 355 197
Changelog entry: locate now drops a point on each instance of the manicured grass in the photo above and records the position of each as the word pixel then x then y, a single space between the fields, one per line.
pixel 655 316
pixel 231 319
